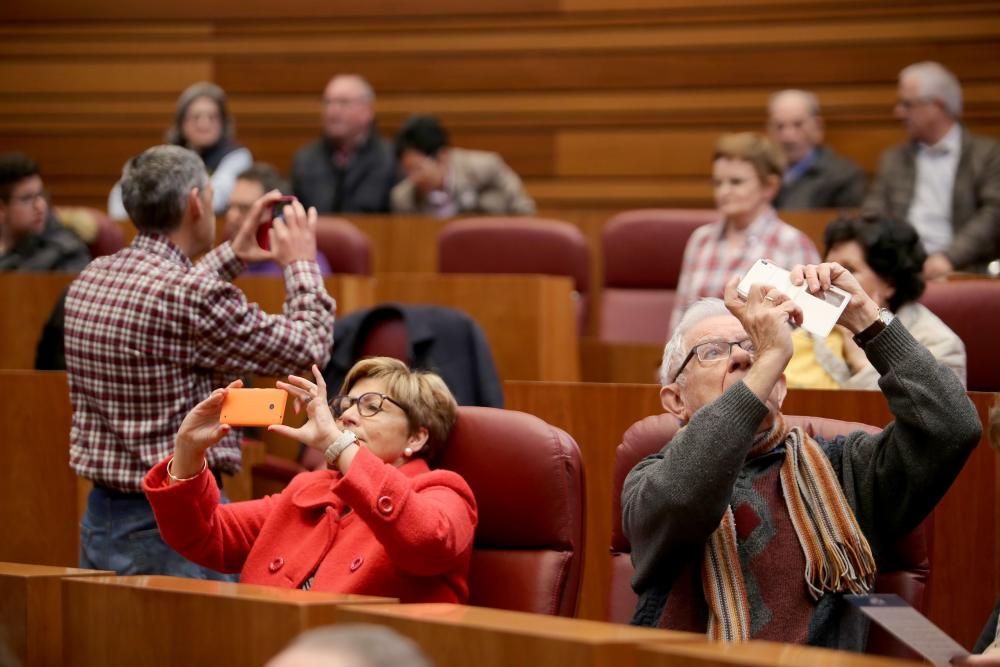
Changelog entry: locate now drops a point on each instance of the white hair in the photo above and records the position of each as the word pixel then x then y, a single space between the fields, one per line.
pixel 807 98
pixel 676 350
pixel 935 81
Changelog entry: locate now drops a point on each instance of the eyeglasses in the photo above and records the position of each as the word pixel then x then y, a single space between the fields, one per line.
pixel 369 404
pixel 714 351
pixel 29 199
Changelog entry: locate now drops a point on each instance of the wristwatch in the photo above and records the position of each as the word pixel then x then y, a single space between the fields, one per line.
pixel 885 317
pixel 337 447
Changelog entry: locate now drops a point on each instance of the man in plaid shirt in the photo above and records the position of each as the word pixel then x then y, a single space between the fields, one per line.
pixel 149 335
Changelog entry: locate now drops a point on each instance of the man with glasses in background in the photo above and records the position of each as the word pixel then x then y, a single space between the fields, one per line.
pixel 945 181
pixel 747 528
pixel 350 169
pixel 31 239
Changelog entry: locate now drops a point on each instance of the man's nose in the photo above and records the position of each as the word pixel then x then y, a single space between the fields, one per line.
pixel 739 359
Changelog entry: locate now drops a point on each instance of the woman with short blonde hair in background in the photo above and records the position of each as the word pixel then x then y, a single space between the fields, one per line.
pixel 746 175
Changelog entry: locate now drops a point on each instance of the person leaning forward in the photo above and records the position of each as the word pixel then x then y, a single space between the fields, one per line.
pixel 724 512
pixel 147 332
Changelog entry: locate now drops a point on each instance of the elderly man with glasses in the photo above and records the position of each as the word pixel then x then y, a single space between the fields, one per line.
pixel 945 181
pixel 746 528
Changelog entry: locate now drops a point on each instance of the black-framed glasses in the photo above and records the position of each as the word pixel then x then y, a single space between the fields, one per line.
pixel 713 351
pixel 369 404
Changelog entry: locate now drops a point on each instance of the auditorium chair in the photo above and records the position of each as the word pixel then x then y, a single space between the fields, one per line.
pixel 346 248
pixel 972 309
pixel 518 245
pixel 527 477
pixel 904 570
pixel 102 235
pixel 643 251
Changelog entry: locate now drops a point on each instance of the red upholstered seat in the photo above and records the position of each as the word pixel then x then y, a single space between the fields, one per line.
pixel 517 245
pixel 527 477
pixel 102 235
pixel 346 248
pixel 904 570
pixel 972 309
pixel 643 251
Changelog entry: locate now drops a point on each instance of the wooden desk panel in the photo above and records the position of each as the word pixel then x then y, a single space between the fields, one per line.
pixel 963 536
pixel 169 621
pixel 530 321
pixel 38 490
pixel 459 636
pixel 31 611
pixel 754 654
pixel 28 300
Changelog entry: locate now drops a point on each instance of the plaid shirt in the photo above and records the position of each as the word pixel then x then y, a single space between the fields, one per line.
pixel 149 335
pixel 709 261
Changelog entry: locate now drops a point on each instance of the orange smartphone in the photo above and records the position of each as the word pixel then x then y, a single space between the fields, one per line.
pixel 254 407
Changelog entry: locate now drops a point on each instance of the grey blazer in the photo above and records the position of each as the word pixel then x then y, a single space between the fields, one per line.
pixel 831 182
pixel 975 203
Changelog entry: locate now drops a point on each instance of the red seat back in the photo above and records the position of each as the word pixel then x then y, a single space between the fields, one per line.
pixel 971 308
pixel 904 570
pixel 643 251
pixel 527 477
pixel 346 248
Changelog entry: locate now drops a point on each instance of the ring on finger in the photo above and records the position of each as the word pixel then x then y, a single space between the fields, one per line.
pixel 769 298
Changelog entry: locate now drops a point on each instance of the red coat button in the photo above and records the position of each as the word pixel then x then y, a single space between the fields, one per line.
pixel 356 563
pixel 385 505
pixel 276 564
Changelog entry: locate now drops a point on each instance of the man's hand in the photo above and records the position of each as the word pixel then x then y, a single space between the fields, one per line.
pixel 294 238
pixel 937 266
pixel 860 313
pixel 765 315
pixel 244 242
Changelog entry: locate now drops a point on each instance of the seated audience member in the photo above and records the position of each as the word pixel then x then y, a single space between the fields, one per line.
pixel 750 529
pixel 251 185
pixel 350 169
pixel 816 177
pixel 945 180
pixel 444 181
pixel 746 175
pixel 31 239
pixel 147 331
pixel 202 123
pixel 886 258
pixel 378 521
pixel 353 645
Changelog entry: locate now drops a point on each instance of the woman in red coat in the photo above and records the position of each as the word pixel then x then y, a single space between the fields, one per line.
pixel 378 521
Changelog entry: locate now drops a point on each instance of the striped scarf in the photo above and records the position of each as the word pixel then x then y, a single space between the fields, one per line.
pixel 838 558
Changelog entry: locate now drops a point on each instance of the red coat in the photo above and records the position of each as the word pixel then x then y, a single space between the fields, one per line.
pixel 408 534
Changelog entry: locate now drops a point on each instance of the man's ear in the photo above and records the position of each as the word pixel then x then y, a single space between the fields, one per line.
pixel 781 389
pixel 194 204
pixel 670 398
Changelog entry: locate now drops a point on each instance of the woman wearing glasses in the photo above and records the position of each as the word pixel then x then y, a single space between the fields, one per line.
pixel 377 521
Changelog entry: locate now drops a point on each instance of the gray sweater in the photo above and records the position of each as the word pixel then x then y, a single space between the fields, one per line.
pixel 672 501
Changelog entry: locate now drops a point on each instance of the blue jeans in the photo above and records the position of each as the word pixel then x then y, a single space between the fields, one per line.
pixel 118 532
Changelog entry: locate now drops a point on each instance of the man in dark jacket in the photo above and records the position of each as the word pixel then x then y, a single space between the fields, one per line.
pixel 351 169
pixel 816 176
pixel 748 529
pixel 31 239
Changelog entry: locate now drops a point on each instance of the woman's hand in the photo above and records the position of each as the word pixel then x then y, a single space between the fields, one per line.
pixel 321 429
pixel 199 431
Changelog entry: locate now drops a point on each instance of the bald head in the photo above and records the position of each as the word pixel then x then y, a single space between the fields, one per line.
pixel 794 123
pixel 348 108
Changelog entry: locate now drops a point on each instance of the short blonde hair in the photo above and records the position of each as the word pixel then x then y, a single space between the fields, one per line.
pixel 427 401
pixel 765 157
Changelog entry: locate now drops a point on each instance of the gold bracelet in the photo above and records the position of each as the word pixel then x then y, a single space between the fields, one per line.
pixel 170 474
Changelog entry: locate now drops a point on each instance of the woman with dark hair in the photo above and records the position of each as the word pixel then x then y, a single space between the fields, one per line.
pixel 202 123
pixel 378 521
pixel 887 258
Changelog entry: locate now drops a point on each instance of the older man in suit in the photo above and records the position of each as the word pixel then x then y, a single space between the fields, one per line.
pixel 350 169
pixel 816 176
pixel 945 180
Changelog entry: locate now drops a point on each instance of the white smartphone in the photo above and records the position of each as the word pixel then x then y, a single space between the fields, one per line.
pixel 820 312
